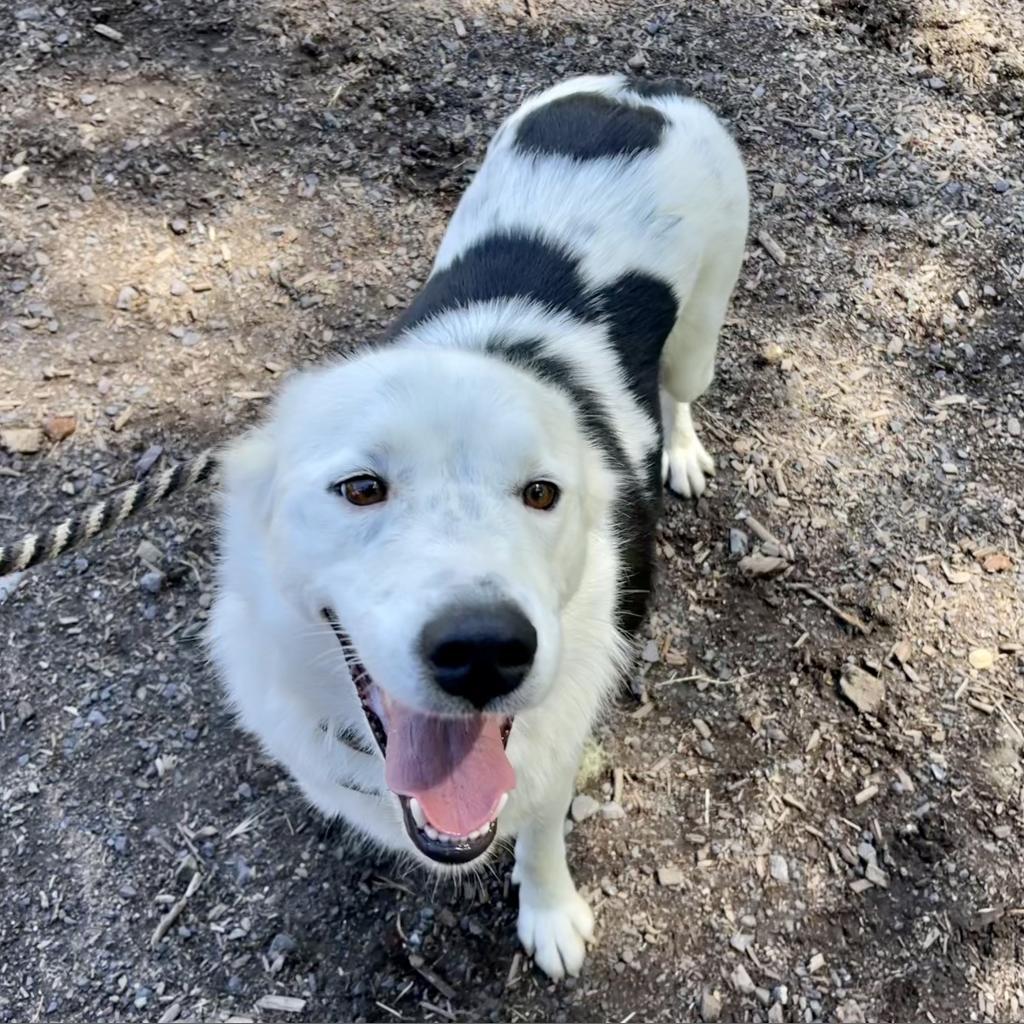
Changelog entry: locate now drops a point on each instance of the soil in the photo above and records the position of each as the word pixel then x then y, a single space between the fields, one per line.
pixel 820 757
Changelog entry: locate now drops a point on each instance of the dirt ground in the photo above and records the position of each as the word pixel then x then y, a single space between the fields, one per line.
pixel 820 761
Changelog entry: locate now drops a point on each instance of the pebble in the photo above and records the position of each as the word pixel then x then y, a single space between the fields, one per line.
pixel 650 652
pixel 178 287
pixel 1000 185
pixel 710 1007
pixel 127 297
pixel 612 811
pixel 25 712
pixel 962 299
pixel 86 194
pixel 179 225
pixel 1013 427
pixel 282 944
pixel 739 542
pixel 583 807
pixel 741 980
pixel 147 551
pixel 637 61
pixel 29 14
pixel 152 582
pixel 147 460
pixel 776 1015
pixel 741 943
pixel 670 875
pixel 779 868
pixel 981 658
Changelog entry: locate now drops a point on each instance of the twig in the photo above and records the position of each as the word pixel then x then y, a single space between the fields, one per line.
pixel 174 913
pixel 850 620
pixel 531 8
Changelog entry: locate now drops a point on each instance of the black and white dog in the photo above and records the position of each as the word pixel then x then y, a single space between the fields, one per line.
pixel 436 552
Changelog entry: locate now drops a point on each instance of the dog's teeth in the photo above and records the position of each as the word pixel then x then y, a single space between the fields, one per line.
pixel 431 832
pixel 417 812
pixel 501 804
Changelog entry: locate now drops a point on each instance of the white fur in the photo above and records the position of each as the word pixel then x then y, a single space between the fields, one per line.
pixel 457 433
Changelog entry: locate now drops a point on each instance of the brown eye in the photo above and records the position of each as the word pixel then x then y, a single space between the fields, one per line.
pixel 541 495
pixel 363 490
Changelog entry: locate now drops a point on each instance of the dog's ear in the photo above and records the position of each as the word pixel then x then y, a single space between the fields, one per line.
pixel 249 469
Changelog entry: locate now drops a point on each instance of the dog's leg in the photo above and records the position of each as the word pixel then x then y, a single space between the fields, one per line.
pixel 688 367
pixel 555 922
pixel 685 463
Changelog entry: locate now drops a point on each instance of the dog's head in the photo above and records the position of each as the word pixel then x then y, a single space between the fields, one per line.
pixel 435 506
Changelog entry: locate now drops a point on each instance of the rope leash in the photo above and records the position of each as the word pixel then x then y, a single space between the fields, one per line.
pixel 35 548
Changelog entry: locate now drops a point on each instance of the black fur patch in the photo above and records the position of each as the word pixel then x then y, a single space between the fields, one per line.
pixel 640 311
pixel 501 266
pixel 659 87
pixel 637 508
pixel 588 126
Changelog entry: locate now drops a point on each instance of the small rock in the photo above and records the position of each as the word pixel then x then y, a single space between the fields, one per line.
pixel 96 717
pixel 741 980
pixel 282 944
pixel 14 178
pixel 1002 831
pixel 147 460
pixel 87 99
pixel 778 868
pixel 710 1007
pixel 739 542
pixel 982 659
pixel 179 225
pixel 29 14
pixel 637 61
pixel 22 440
pixel 758 564
pixel 583 807
pixel 815 963
pixel 670 875
pixel 612 811
pixel 148 552
pixel 25 712
pixel 863 690
pixel 741 943
pixel 86 194
pixel 1000 185
pixel 650 653
pixel 936 83
pixel 1013 427
pixel 152 582
pixel 178 288
pixel 876 876
pixel 127 297
pixel 57 428
pixel 962 299
pixel 773 353
pixel 776 1014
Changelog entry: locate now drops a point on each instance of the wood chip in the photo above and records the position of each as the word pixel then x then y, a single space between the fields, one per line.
pixel 863 690
pixel 670 875
pixel 108 33
pixel 283 1004
pixel 997 563
pixel 757 564
pixel 865 794
pixel 22 440
pixel 772 247
pixel 861 885
pixel 121 421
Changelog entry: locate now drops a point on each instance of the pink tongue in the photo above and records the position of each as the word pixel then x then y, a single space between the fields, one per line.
pixel 455 767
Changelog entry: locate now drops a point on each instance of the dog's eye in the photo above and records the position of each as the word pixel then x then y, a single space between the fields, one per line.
pixel 362 490
pixel 541 495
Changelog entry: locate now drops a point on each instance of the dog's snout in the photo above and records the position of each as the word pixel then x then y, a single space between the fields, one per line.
pixel 479 652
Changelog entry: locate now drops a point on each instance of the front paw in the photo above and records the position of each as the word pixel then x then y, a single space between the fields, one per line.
pixel 556 934
pixel 685 468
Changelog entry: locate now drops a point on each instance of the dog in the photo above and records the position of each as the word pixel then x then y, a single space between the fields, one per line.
pixel 436 553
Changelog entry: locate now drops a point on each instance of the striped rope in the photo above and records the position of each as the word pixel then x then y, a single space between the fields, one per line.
pixel 105 515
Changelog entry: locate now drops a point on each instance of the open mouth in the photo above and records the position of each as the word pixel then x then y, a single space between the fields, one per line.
pixel 451 775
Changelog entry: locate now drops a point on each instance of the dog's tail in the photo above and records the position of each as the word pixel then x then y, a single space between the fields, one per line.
pixel 105 515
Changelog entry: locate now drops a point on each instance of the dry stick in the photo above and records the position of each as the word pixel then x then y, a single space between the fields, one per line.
pixel 174 913
pixel 850 620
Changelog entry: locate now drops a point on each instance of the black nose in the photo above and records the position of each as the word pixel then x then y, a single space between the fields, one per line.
pixel 479 652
